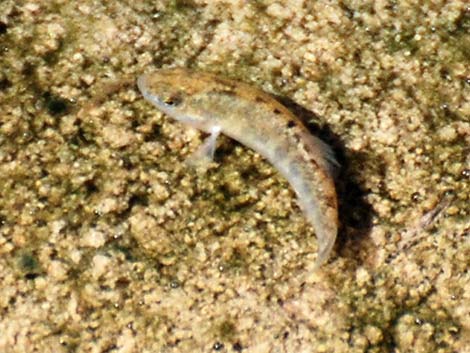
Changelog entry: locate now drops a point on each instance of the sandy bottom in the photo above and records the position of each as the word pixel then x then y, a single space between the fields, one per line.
pixel 109 242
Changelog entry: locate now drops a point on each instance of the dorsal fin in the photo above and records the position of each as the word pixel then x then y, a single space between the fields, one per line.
pixel 322 153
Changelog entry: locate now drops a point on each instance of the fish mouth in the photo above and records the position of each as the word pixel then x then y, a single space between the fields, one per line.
pixel 142 85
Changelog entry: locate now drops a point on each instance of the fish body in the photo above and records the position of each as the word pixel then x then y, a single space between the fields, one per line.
pixel 254 118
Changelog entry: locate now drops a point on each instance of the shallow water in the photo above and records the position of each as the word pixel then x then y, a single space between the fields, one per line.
pixel 110 242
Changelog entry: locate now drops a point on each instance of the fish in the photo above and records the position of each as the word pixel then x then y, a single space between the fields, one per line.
pixel 218 105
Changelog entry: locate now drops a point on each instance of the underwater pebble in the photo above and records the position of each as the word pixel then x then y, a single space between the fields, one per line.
pixel 93 238
pixel 447 133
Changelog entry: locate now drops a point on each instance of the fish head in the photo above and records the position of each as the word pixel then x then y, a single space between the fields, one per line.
pixel 175 92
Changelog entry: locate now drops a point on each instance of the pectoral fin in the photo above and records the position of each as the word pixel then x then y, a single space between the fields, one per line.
pixel 204 155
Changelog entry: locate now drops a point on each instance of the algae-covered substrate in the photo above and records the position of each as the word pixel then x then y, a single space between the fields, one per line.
pixel 110 242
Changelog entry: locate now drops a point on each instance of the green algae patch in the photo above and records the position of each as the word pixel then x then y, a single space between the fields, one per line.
pixel 182 5
pixel 226 330
pixel 28 265
pixel 56 106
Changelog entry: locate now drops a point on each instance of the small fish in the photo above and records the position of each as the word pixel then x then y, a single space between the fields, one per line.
pixel 217 105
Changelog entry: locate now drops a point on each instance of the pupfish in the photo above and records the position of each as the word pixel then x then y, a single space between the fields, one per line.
pixel 218 105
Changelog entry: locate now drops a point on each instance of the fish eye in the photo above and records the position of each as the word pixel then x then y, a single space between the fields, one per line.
pixel 173 100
